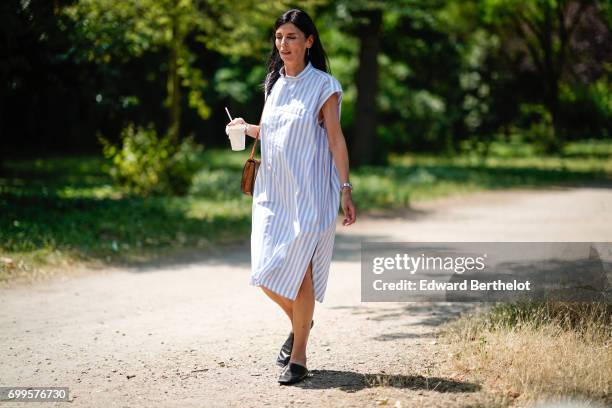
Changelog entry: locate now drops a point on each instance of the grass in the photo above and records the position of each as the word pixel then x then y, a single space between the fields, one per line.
pixel 57 212
pixel 420 177
pixel 531 351
pixel 61 211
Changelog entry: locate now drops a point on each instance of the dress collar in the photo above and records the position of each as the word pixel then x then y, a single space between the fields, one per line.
pixel 299 76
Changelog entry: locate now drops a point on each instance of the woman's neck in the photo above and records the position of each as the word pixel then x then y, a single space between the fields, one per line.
pixel 294 69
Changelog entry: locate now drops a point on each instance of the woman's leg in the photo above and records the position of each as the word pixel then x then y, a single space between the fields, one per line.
pixel 303 310
pixel 283 302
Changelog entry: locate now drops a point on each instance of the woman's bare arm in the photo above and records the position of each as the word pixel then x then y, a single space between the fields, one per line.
pixel 337 146
pixel 252 130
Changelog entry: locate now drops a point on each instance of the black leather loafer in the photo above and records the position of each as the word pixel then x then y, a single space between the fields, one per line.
pixel 285 352
pixel 292 374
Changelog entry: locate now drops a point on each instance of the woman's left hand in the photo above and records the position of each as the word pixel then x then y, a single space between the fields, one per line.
pixel 349 208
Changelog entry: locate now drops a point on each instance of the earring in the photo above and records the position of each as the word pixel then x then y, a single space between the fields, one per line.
pixel 308 52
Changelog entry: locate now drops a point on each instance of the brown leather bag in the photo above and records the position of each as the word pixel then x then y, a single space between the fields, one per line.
pixel 249 172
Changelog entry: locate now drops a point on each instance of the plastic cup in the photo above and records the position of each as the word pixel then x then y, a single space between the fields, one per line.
pixel 236 135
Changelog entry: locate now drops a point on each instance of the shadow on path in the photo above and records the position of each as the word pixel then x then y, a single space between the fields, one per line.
pixel 347 248
pixel 349 381
pixel 426 313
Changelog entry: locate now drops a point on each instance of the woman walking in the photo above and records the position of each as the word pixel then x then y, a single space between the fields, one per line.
pixel 303 176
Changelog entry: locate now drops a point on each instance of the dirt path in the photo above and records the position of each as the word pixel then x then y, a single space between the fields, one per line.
pixel 196 334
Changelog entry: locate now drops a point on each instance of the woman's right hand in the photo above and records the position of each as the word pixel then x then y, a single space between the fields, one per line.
pixel 235 121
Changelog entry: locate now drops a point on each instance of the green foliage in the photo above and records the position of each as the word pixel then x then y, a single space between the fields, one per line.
pixel 546 47
pixel 59 210
pixel 586 109
pixel 68 208
pixel 109 30
pixel 419 82
pixel 449 71
pixel 538 128
pixel 146 164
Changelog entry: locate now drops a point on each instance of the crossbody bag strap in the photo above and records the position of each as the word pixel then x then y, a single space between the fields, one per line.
pixel 256 139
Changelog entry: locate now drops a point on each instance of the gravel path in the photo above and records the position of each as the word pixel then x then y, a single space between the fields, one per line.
pixel 196 334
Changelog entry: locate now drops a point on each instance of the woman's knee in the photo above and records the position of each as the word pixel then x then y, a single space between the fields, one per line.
pixel 284 302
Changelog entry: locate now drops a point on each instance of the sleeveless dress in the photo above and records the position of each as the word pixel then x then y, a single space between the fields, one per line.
pixel 297 190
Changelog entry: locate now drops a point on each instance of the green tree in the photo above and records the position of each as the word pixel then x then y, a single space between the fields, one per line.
pixel 363 20
pixel 401 47
pixel 538 34
pixel 129 28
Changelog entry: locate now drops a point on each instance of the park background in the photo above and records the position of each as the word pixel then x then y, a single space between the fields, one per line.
pixel 113 149
pixel 112 112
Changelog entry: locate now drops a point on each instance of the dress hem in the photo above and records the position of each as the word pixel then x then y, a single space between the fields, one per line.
pixel 258 283
pixel 254 281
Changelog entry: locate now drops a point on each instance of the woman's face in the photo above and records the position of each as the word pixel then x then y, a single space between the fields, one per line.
pixel 291 43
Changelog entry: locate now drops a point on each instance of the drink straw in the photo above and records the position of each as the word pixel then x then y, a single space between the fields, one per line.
pixel 228 114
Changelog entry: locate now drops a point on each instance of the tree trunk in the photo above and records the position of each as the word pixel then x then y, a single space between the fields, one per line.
pixel 551 79
pixel 552 104
pixel 364 135
pixel 4 129
pixel 174 85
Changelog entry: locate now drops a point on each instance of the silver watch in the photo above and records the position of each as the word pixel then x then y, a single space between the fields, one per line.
pixel 349 185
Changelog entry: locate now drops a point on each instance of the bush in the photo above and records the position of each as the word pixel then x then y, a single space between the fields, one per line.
pixel 586 110
pixel 537 126
pixel 148 165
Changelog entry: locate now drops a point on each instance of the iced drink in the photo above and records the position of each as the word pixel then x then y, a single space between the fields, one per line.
pixel 236 135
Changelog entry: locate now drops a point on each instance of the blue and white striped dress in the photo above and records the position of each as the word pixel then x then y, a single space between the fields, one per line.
pixel 297 189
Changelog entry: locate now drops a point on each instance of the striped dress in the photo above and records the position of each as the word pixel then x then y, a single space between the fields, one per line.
pixel 297 189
